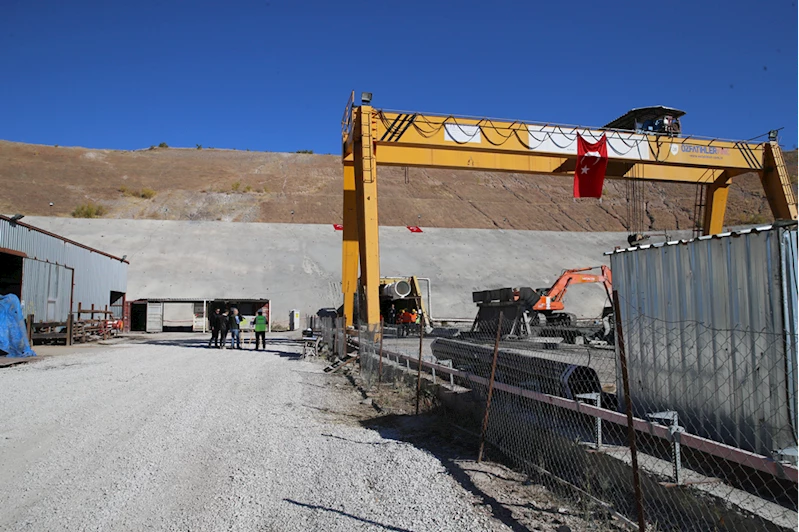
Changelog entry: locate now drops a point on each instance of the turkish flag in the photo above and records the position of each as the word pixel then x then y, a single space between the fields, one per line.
pixel 414 229
pixel 592 162
pixel 338 227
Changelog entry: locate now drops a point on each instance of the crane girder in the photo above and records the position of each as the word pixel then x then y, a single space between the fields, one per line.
pixel 470 136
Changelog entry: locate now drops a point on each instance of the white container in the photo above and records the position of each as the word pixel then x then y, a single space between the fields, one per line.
pixel 294 320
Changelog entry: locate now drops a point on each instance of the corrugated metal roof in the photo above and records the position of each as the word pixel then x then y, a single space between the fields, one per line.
pixel 627 120
pixel 65 239
pixel 96 274
pixel 198 299
pixel 706 237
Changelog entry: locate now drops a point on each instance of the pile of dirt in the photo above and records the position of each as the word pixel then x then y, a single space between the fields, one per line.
pixel 231 185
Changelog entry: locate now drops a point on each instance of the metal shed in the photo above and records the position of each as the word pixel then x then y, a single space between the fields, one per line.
pixel 52 275
pixel 187 314
pixel 710 327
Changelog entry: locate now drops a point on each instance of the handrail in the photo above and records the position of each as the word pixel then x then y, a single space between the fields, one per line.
pixel 720 450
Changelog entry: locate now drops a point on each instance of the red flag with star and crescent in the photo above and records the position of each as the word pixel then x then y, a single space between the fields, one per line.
pixel 592 162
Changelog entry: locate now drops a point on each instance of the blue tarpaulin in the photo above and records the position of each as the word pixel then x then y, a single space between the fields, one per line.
pixel 13 336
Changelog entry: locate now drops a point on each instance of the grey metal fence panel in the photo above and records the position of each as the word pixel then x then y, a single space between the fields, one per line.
pixel 723 368
pixel 790 276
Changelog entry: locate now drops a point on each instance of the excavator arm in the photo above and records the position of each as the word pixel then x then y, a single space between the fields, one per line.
pixel 552 299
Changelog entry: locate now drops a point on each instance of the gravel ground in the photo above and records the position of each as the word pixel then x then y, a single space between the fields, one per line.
pixel 171 436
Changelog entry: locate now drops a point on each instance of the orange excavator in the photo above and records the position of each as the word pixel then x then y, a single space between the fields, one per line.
pixel 523 308
pixel 550 300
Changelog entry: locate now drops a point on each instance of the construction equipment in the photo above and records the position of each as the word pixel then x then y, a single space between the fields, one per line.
pixel 540 312
pixel 373 137
pixel 404 293
pixel 550 300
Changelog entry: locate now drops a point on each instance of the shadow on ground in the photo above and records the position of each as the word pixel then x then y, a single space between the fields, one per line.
pixel 273 345
pixel 426 432
pixel 345 514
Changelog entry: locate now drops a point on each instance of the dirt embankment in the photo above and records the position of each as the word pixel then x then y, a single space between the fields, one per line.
pixel 230 185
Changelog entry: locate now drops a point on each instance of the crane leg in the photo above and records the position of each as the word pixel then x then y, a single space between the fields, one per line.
pixel 777 183
pixel 350 254
pixel 716 205
pixel 366 199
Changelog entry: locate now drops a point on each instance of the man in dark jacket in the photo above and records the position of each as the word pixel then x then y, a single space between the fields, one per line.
pixel 235 330
pixel 216 325
pixel 223 327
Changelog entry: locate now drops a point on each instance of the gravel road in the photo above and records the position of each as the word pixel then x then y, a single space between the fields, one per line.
pixel 171 436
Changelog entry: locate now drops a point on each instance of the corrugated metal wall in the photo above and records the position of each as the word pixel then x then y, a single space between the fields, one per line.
pixel 95 275
pixel 46 290
pixel 705 330
pixel 155 316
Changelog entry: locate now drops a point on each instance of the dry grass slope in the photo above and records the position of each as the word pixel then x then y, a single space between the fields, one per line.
pixel 229 185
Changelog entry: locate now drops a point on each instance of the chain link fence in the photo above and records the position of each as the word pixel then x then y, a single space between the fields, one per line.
pixel 675 423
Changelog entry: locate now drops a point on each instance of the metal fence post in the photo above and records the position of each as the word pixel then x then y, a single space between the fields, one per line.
pixel 639 502
pixel 673 419
pixel 29 328
pixel 70 320
pixel 419 367
pixel 490 390
pixel 595 398
pixel 380 360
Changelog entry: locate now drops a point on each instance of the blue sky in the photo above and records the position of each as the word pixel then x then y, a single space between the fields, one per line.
pixel 275 75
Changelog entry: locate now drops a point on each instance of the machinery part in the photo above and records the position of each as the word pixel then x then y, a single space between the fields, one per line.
pixel 551 300
pixel 500 294
pixel 543 375
pixel 393 288
pixel 561 319
pixel 536 312
pixel 487 319
pixel 396 290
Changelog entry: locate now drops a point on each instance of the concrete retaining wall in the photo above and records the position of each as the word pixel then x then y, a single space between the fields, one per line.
pixel 299 266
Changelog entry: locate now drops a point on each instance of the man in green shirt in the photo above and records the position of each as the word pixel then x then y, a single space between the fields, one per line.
pixel 260 330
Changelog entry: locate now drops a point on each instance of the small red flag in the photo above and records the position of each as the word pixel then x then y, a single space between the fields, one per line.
pixel 414 228
pixel 338 227
pixel 592 162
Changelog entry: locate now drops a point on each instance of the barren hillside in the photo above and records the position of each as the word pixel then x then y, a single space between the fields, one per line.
pixel 208 184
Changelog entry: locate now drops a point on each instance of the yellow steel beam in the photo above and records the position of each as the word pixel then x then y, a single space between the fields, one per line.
pixel 716 205
pixel 346 128
pixel 777 184
pixel 366 196
pixel 496 137
pixel 402 155
pixel 349 246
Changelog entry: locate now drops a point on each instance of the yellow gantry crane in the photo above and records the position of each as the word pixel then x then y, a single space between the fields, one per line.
pixel 373 137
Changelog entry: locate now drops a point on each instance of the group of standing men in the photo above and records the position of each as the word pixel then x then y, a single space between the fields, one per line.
pixel 226 322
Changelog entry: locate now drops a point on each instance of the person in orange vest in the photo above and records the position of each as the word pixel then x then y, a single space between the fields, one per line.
pixel 404 320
